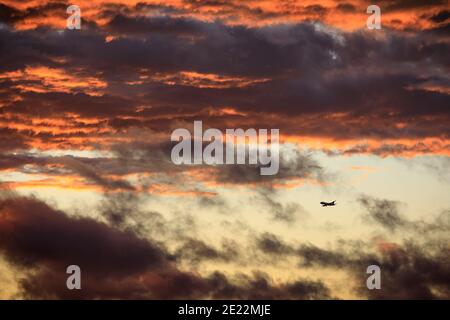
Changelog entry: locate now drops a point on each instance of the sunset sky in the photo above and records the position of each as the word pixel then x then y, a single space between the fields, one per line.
pixel 87 179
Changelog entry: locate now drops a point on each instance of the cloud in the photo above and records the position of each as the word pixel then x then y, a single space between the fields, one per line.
pixel 272 245
pixel 195 251
pixel 408 5
pixel 436 165
pixel 412 272
pixel 260 287
pixel 306 78
pixel 408 271
pixel 41 242
pixel 314 256
pixel 135 72
pixel 441 16
pixel 279 211
pixel 346 7
pixel 92 174
pixel 34 233
pixel 414 267
pixel 163 24
pixel 293 164
pixel 384 212
pixel 121 209
pixel 11 140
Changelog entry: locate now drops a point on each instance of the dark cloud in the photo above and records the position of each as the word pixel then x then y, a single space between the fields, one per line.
pixel 436 165
pixel 279 211
pixel 217 202
pixel 384 212
pixel 83 104
pixel 11 140
pixel 121 208
pixel 163 24
pixel 392 5
pixel 293 164
pixel 271 244
pixel 397 149
pixel 315 256
pixel 414 268
pixel 346 7
pixel 8 14
pixel 92 174
pixel 316 9
pixel 408 271
pixel 155 157
pixel 306 78
pixel 33 233
pixel 260 287
pixel 11 15
pixel 441 16
pixel 196 251
pixel 307 69
pixel 42 242
pixel 412 272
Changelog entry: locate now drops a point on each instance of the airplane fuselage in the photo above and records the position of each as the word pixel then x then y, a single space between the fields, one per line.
pixel 328 204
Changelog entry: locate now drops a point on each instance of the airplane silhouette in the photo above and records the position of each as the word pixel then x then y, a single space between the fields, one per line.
pixel 328 204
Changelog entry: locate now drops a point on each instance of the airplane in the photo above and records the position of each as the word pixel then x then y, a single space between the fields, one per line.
pixel 328 204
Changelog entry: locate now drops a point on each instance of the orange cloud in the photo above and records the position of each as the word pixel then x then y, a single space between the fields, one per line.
pixel 348 16
pixel 44 79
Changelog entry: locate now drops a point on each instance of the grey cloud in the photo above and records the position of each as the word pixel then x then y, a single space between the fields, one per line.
pixel 384 212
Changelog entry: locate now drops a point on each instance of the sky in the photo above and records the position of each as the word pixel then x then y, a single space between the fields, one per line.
pixel 86 176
